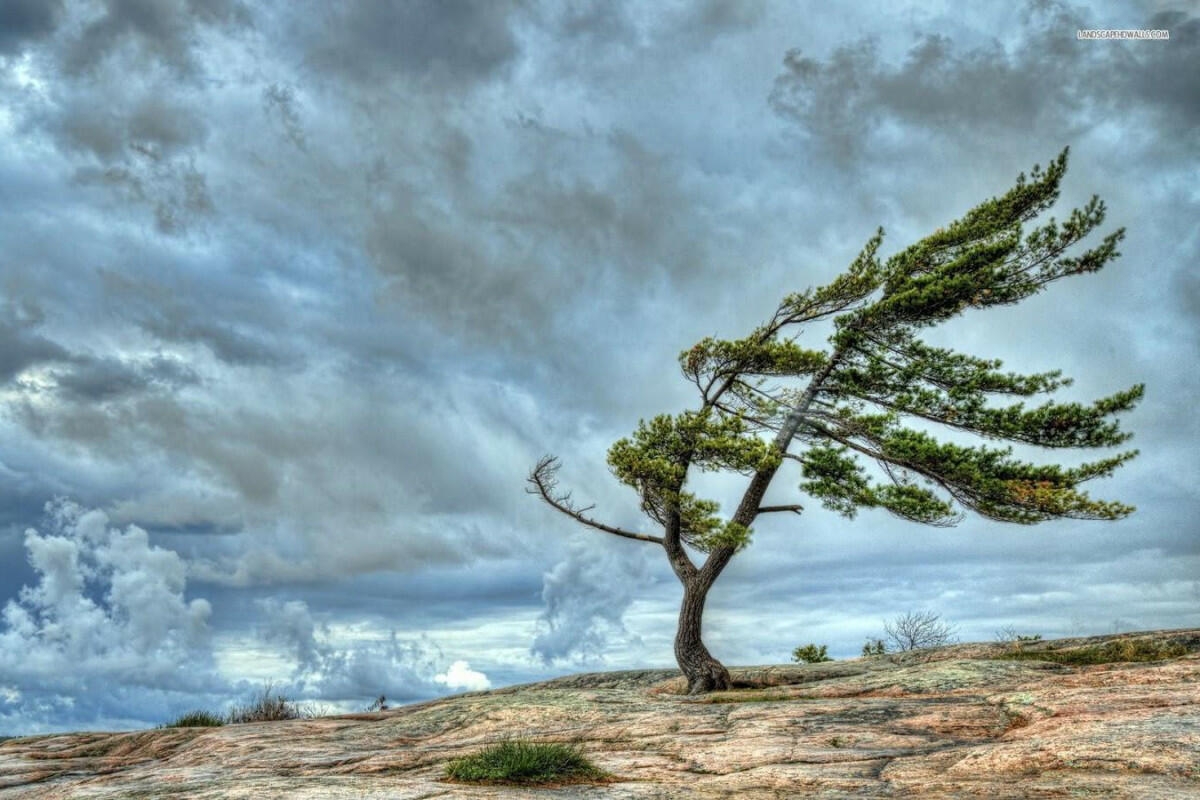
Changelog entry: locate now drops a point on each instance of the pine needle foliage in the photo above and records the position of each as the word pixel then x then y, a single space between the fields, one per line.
pixel 877 378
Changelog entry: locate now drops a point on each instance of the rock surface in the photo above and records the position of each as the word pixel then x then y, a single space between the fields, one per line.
pixel 955 722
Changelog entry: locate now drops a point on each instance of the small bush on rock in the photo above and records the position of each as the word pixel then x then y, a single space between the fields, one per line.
pixel 811 654
pixel 874 647
pixel 522 762
pixel 918 630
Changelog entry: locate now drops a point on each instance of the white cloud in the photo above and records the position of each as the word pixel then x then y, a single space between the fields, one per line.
pixel 341 668
pixel 107 602
pixel 107 637
pixel 586 596
pixel 108 610
pixel 461 676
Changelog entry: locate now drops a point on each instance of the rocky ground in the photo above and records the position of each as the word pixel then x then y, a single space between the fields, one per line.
pixel 955 722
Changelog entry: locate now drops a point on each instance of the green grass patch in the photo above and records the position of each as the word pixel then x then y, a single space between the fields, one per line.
pixel 521 762
pixel 196 719
pixel 1124 650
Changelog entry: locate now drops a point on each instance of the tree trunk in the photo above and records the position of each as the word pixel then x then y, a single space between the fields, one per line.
pixel 703 672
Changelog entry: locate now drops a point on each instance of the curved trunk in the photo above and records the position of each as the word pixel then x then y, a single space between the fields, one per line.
pixel 703 672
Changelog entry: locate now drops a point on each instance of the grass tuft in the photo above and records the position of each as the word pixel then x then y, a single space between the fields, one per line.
pixel 521 762
pixel 196 719
pixel 268 706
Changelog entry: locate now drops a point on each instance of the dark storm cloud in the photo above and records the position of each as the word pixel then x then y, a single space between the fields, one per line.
pixel 112 96
pixel 97 379
pixel 280 104
pixel 600 21
pixel 156 30
pixel 1047 81
pixel 239 326
pixel 1165 79
pixel 723 16
pixel 344 481
pixel 107 124
pixel 371 43
pixel 25 20
pixel 21 348
pixel 614 228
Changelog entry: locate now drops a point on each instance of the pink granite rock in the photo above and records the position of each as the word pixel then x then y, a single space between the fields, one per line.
pixel 956 722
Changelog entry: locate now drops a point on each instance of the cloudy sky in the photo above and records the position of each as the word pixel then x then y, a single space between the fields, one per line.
pixel 293 295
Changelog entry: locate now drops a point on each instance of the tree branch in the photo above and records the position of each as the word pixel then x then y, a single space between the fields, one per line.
pixel 543 481
pixel 749 506
pixel 796 507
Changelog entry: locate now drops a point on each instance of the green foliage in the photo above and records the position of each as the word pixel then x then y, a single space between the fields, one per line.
pixel 716 358
pixel 874 647
pixel 879 376
pixel 655 460
pixel 1121 650
pixel 521 762
pixel 196 719
pixel 811 654
pixel 848 290
pixel 840 483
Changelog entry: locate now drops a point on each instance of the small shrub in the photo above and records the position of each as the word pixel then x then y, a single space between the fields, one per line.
pixel 520 762
pixel 196 719
pixel 874 647
pixel 918 630
pixel 379 704
pixel 1009 635
pixel 811 654
pixel 269 706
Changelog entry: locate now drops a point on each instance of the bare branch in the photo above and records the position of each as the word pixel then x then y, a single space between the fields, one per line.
pixel 918 630
pixel 544 482
pixel 769 509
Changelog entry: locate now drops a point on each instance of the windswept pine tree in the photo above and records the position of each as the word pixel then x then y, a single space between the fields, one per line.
pixel 870 398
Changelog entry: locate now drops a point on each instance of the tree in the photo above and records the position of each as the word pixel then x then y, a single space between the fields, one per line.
pixel 917 630
pixel 811 654
pixel 872 395
pixel 874 647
